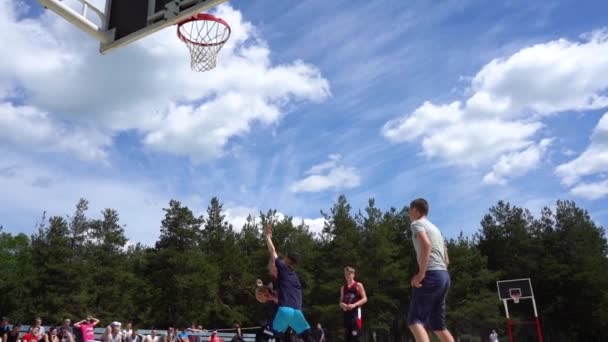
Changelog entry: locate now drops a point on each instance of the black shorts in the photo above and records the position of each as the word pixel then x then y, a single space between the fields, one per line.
pixel 351 328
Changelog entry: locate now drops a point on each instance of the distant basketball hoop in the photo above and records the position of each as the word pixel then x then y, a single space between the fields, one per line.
pixel 515 290
pixel 204 35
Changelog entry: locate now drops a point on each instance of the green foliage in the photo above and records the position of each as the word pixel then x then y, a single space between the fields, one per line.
pixel 203 270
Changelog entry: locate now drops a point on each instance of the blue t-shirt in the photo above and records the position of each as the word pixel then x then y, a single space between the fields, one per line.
pixel 288 285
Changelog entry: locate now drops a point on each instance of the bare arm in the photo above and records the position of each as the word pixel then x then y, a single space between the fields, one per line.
pixel 425 251
pixel 272 268
pixel 271 249
pixel 342 304
pixel 445 253
pixel 363 299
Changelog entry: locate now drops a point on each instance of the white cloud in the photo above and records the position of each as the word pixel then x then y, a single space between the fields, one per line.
pixel 327 175
pixel 592 191
pixel 149 86
pixel 500 122
pixel 516 163
pixel 32 128
pixel 29 188
pixel 592 161
pixel 546 78
pixel 237 216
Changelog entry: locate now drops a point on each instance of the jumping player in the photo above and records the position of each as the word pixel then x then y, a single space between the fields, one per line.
pixel 289 290
pixel 352 297
pixel 432 282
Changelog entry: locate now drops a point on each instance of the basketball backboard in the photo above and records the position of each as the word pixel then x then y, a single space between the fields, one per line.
pixel 521 287
pixel 122 22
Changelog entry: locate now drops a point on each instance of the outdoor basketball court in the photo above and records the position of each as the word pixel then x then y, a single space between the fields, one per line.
pixel 122 22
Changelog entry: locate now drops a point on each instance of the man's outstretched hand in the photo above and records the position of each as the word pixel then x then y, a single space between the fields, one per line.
pixel 268 230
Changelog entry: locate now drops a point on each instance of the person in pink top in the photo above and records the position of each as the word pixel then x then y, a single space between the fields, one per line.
pixel 87 326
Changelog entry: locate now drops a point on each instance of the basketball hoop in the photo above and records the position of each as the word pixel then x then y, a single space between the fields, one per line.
pixel 515 297
pixel 204 35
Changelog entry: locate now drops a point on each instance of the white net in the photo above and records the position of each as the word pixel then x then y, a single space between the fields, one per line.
pixel 204 36
pixel 515 298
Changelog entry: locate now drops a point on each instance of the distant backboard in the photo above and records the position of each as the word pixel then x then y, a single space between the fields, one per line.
pixel 521 287
pixel 121 22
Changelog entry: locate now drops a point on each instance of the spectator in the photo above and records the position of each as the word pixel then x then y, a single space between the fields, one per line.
pixel 87 326
pixel 319 334
pixel 51 336
pixel 129 330
pixel 192 331
pixel 152 337
pixel 171 336
pixel 183 336
pixel 493 336
pixel 65 334
pixel 193 328
pixel 31 335
pixel 134 337
pixel 67 325
pixel 4 329
pixel 41 331
pixel 238 336
pixel 114 334
pixel 13 335
pixel 215 338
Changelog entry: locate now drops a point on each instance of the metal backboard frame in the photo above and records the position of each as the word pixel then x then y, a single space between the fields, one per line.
pixel 505 287
pixel 125 21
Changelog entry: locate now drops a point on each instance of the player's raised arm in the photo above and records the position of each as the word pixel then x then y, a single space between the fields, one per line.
pixel 268 237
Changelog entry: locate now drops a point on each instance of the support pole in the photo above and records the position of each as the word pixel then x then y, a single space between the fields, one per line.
pixel 509 328
pixel 539 331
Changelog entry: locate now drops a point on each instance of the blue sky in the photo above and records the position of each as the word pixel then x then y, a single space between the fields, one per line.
pixel 461 102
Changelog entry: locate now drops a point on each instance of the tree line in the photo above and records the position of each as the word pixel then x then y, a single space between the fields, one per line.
pixel 201 269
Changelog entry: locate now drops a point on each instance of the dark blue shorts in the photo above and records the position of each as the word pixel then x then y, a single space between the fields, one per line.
pixel 427 306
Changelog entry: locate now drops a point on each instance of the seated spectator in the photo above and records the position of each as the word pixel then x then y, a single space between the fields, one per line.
pixel 152 337
pixel 41 331
pixel 183 336
pixel 51 336
pixel 134 337
pixel 4 328
pixel 238 336
pixel 171 335
pixel 129 329
pixel 194 330
pixel 65 334
pixel 215 338
pixel 67 325
pixel 31 335
pixel 114 334
pixel 87 326
pixel 13 335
